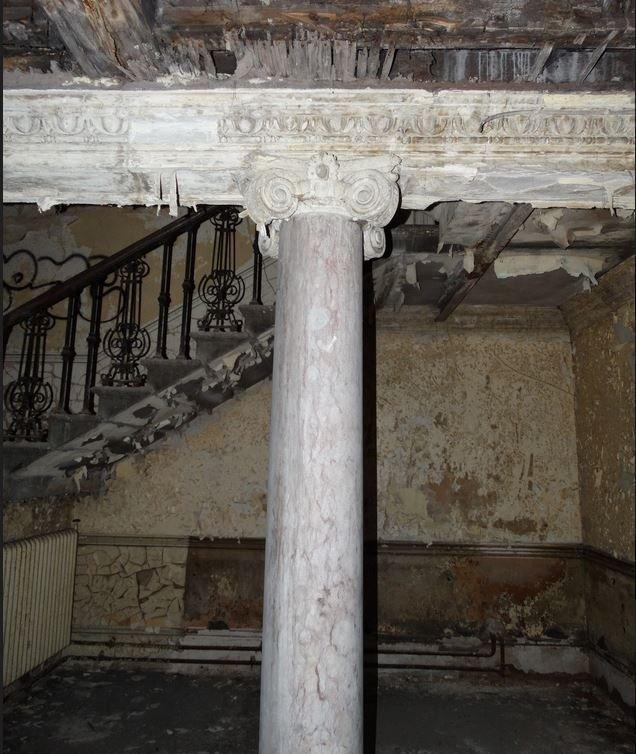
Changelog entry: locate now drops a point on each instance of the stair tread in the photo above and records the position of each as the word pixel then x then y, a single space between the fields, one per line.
pixel 157 411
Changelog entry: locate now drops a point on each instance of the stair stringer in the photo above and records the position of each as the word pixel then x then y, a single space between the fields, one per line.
pixel 83 464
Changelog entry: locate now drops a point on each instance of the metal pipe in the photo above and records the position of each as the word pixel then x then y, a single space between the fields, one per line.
pixel 437 653
pixel 392 666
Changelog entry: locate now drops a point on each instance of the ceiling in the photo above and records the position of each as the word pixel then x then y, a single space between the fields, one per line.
pixel 527 42
pixel 481 253
pixel 553 254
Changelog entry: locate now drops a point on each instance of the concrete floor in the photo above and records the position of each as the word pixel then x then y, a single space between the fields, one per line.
pixel 100 710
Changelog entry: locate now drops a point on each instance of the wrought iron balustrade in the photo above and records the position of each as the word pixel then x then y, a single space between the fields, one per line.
pixel 222 290
pixel 109 298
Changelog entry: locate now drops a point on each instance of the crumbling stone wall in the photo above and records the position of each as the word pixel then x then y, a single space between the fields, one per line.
pixel 129 586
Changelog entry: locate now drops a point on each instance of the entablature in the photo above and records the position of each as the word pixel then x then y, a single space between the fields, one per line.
pixel 187 147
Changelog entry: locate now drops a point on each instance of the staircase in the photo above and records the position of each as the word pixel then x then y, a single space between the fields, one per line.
pixel 62 434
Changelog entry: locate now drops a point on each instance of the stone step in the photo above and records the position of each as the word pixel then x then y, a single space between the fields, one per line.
pixel 165 372
pixel 257 318
pixel 131 419
pixel 64 427
pixel 117 398
pixel 16 454
pixel 211 345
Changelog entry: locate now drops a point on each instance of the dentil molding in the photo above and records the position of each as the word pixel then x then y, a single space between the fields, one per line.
pixel 186 146
pixel 361 189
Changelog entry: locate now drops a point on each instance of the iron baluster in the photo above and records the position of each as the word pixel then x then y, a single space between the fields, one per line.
pixel 96 278
pixel 257 274
pixel 93 340
pixel 222 289
pixel 29 397
pixel 164 300
pixel 6 335
pixel 68 354
pixel 128 342
pixel 188 293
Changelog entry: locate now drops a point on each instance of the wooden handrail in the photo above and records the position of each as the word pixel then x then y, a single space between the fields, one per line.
pixel 100 271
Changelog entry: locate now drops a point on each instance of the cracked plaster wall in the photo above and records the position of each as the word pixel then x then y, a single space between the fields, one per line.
pixel 602 326
pixel 604 367
pixel 129 586
pixel 475 444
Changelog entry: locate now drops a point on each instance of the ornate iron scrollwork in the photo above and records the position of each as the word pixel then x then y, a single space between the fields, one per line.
pixel 29 397
pixel 128 342
pixel 222 289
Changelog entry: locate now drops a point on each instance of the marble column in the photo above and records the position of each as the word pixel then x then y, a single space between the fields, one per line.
pixel 323 214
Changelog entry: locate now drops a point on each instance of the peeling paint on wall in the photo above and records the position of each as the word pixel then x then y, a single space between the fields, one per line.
pixel 210 481
pixel 476 438
pixel 31 518
pixel 475 443
pixel 604 367
pixel 602 326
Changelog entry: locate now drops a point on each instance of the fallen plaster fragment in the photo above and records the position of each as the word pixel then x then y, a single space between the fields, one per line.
pixel 513 264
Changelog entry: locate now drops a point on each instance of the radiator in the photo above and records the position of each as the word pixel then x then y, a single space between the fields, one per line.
pixel 37 600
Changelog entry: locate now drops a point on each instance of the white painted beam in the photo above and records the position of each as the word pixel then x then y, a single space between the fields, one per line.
pixel 127 146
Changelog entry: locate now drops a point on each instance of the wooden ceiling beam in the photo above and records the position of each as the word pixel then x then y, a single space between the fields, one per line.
pixel 484 256
pixel 524 23
pixel 108 38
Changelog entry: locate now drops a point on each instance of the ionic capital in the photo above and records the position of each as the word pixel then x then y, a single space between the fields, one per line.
pixel 362 189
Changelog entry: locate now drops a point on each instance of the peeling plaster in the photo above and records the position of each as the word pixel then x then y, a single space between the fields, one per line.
pixel 475 438
pixel 515 263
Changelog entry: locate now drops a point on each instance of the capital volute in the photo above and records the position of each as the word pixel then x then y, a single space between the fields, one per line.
pixel 363 189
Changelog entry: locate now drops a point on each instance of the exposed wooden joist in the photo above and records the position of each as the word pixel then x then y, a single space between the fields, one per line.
pixel 115 38
pixel 596 56
pixel 539 63
pixel 450 23
pixel 109 38
pixel 484 256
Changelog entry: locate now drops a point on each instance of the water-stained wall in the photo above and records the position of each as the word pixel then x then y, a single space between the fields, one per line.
pixel 475 434
pixel 475 444
pixel 30 518
pixel 602 326
pixel 603 345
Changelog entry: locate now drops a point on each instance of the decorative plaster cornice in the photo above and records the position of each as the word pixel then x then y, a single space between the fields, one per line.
pixel 122 146
pixel 363 190
pixel 448 123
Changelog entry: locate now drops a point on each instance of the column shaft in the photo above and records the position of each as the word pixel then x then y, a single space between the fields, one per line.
pixel 311 685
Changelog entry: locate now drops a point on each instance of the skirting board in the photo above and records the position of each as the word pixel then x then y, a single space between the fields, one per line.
pixel 240 649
